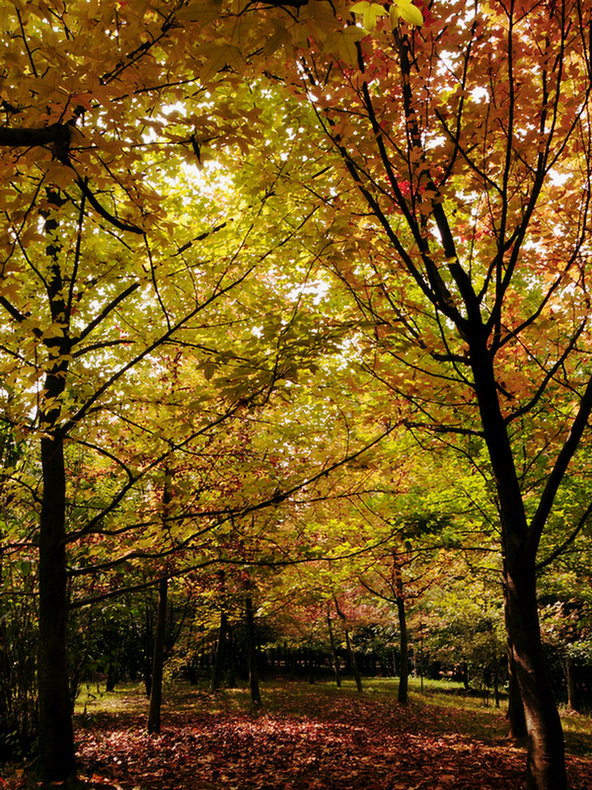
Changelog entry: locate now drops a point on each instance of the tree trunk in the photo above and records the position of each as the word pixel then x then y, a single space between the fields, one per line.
pixel 158 659
pixel 546 757
pixel 334 656
pixel 353 662
pixel 404 660
pixel 403 635
pixel 231 680
pixel 221 651
pixel 573 702
pixel 495 680
pixel 56 736
pixel 252 652
pixel 350 653
pixel 515 712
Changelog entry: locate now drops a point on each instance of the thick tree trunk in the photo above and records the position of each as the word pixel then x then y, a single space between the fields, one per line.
pixel 158 659
pixel 515 714
pixel 56 737
pixel 546 757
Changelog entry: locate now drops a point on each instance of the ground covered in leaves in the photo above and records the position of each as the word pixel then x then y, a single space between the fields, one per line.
pixel 305 737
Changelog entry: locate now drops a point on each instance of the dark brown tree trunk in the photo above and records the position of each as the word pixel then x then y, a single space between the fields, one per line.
pixel 350 653
pixel 546 760
pixel 353 661
pixel 221 651
pixel 148 647
pixel 56 735
pixel 252 652
pixel 158 659
pixel 516 717
pixel 403 634
pixel 404 647
pixel 231 665
pixel 546 756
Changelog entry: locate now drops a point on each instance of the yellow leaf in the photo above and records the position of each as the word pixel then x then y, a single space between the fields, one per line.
pixel 406 11
pixel 370 13
pixel 359 8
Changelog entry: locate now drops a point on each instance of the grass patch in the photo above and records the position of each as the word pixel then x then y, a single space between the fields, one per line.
pixel 441 703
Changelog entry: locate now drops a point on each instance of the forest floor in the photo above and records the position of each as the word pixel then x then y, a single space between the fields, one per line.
pixel 306 737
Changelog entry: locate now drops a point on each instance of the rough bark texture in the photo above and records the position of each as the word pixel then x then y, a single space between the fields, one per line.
pixel 516 718
pixel 353 662
pixel 546 759
pixel 546 762
pixel 350 653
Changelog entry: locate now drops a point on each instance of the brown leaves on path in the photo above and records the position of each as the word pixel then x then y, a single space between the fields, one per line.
pixel 309 738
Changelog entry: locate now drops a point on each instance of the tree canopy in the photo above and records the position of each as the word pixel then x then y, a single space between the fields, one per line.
pixel 274 275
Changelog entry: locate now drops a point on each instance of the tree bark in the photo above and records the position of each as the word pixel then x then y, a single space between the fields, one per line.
pixel 546 756
pixel 221 651
pixel 573 702
pixel 231 682
pixel 158 659
pixel 56 735
pixel 353 662
pixel 515 713
pixel 403 634
pixel 350 653
pixel 404 660
pixel 546 760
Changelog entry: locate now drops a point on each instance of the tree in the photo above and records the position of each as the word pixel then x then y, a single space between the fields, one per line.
pixel 80 279
pixel 447 191
pixel 465 243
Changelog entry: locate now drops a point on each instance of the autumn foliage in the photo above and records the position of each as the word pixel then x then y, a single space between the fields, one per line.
pixel 273 275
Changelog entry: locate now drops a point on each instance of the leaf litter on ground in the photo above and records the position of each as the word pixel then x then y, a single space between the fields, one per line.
pixel 307 737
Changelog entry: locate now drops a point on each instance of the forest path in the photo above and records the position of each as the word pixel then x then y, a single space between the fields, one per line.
pixel 307 737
